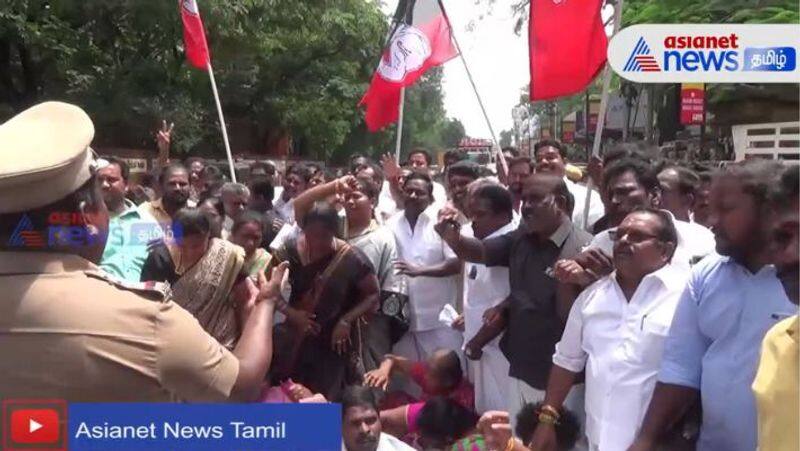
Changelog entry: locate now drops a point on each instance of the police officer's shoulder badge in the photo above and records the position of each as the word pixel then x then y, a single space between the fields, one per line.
pixel 155 291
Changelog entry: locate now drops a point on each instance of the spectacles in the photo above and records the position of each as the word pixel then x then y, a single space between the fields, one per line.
pixel 632 236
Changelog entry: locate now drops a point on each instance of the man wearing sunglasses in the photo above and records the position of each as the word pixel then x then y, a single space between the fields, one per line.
pixel 616 332
pixel 731 301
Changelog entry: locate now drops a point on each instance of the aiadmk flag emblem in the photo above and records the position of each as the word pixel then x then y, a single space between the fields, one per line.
pixel 191 7
pixel 407 52
pixel 421 39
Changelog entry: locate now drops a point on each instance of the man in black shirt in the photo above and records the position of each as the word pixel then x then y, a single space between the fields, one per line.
pixel 532 324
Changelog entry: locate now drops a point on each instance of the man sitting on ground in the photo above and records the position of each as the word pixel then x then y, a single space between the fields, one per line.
pixel 361 424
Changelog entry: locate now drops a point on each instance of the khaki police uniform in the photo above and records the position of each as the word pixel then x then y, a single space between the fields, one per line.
pixel 69 330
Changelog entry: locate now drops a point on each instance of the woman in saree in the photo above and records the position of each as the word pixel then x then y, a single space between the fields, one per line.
pixel 247 232
pixel 360 195
pixel 202 272
pixel 333 286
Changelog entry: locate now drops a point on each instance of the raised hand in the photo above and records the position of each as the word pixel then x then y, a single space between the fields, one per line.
pixel 391 169
pixel 164 138
pixel 448 226
pixel 270 291
pixel 346 185
pixel 595 170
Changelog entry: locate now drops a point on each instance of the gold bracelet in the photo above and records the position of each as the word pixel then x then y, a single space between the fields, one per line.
pixel 546 418
pixel 510 444
pixel 551 410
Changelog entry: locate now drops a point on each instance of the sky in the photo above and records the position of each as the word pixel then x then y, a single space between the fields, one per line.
pixel 497 58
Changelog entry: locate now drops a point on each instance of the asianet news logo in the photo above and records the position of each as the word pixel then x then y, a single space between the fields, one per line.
pixel 691 53
pixel 68 229
pixel 706 53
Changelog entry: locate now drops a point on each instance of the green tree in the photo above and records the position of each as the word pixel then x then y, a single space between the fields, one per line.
pixel 281 66
pixel 452 133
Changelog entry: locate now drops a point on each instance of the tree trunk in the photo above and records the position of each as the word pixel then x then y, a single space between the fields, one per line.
pixel 648 125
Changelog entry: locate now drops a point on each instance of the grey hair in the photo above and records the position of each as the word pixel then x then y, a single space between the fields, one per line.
pixel 480 183
pixel 235 189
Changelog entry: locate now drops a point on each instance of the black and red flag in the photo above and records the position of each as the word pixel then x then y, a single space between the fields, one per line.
pixel 421 38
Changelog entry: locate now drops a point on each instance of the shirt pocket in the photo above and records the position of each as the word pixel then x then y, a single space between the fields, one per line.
pixel 652 334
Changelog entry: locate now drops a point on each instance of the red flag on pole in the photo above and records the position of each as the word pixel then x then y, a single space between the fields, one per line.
pixel 421 39
pixel 567 46
pixel 194 36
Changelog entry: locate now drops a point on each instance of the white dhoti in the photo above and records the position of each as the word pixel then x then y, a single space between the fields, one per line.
pixel 484 288
pixel 489 376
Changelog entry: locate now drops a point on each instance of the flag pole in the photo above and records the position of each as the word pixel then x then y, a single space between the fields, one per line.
pixel 601 116
pixel 400 125
pixel 498 152
pixel 221 121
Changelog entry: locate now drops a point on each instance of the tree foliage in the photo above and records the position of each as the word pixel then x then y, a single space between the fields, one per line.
pixel 282 66
pixel 689 11
pixel 710 11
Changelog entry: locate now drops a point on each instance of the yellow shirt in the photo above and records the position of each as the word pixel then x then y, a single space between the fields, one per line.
pixel 156 210
pixel 776 388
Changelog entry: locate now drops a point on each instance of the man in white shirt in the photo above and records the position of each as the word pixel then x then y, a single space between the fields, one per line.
pixel 429 266
pixel 459 176
pixel 490 208
pixel 530 314
pixel 294 183
pixel 679 186
pixel 361 423
pixel 632 183
pixel 418 160
pixel 551 157
pixel 616 332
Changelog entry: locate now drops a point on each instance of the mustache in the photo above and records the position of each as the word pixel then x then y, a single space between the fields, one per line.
pixel 367 438
pixel 176 197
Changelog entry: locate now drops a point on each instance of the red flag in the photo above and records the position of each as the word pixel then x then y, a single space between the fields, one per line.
pixel 194 36
pixel 567 46
pixel 422 39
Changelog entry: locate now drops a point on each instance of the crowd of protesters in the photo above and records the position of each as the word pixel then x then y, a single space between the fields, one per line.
pixel 446 311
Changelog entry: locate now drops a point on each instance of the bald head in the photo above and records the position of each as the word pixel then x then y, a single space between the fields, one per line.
pixel 545 183
pixel 546 203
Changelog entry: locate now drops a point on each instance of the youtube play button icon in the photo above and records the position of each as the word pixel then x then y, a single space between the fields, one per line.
pixel 34 425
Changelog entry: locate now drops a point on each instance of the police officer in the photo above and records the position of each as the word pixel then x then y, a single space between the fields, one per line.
pixel 69 330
